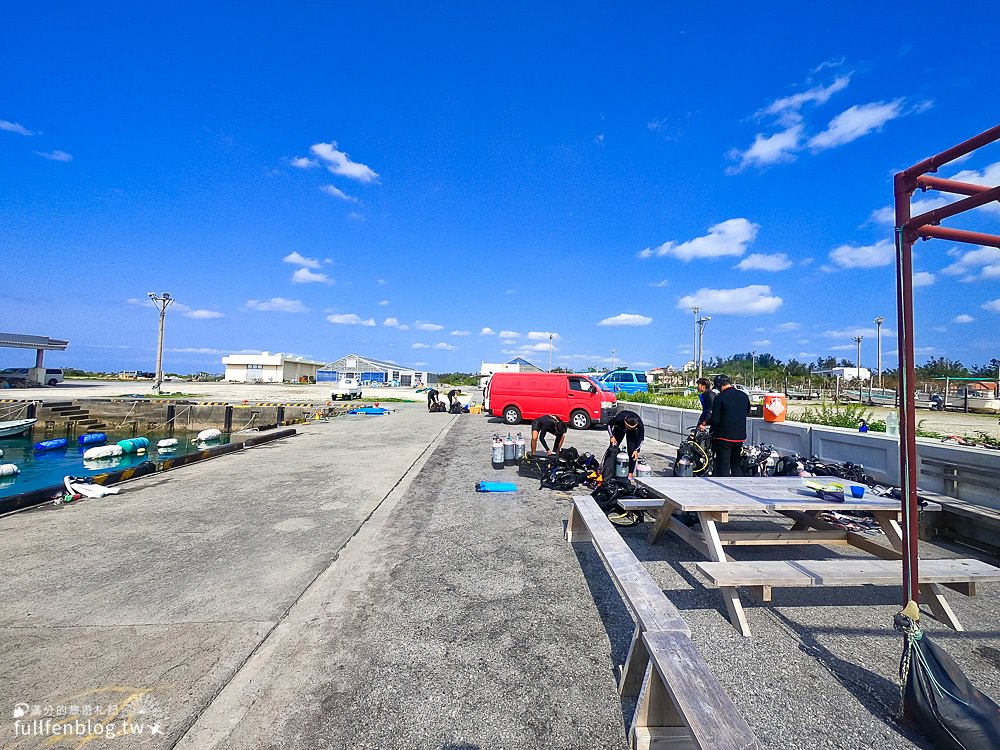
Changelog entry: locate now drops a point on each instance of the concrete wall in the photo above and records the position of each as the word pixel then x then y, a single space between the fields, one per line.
pixel 878 452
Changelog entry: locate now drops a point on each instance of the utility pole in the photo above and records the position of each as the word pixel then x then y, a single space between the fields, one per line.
pixel 753 368
pixel 162 302
pixel 701 340
pixel 878 345
pixel 550 352
pixel 612 359
pixel 694 343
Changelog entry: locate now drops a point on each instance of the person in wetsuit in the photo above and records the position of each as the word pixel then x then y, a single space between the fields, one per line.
pixel 432 398
pixel 706 395
pixel 626 429
pixel 548 424
pixel 729 427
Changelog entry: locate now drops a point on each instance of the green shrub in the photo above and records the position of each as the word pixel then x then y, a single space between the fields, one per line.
pixel 662 399
pixel 839 415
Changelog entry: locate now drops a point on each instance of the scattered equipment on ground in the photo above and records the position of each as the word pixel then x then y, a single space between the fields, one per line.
pixel 496 454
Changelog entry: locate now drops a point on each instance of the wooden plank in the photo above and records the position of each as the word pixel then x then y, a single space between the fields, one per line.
pixel 650 607
pixel 743 538
pixel 843 572
pixel 695 694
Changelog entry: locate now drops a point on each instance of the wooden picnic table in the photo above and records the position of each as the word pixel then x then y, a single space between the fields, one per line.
pixel 714 499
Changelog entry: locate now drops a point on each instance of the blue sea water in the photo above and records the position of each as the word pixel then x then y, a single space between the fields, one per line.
pixel 47 468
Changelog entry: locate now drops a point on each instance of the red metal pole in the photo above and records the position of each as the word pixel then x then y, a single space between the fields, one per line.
pixel 936 215
pixel 903 184
pixel 949 186
pixel 957 235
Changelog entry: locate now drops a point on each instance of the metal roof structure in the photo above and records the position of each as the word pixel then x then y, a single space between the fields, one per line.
pixel 23 341
pixel 376 365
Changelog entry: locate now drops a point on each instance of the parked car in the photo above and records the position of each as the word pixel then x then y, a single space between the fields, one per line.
pixel 576 399
pixel 626 381
pixel 347 388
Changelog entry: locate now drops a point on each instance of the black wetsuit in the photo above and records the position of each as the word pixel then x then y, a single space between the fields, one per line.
pixel 707 398
pixel 452 397
pixel 632 438
pixel 729 429
pixel 546 425
pixel 432 396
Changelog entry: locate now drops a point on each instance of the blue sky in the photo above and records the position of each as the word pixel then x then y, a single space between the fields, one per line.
pixel 446 183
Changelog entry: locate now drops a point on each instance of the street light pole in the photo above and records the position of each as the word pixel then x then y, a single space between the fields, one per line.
pixel 878 344
pixel 550 352
pixel 753 367
pixel 857 340
pixel 162 302
pixel 701 340
pixel 694 341
pixel 612 359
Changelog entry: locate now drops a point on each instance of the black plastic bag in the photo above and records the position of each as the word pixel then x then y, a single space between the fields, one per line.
pixel 938 697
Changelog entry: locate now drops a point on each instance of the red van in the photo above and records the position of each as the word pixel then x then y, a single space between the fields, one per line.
pixel 576 399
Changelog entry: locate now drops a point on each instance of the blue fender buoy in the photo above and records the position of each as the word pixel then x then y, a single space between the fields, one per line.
pixel 51 445
pixel 92 438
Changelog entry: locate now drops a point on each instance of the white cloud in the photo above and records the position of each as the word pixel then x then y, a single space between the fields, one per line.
pixel 337 193
pixel 755 299
pixel 509 341
pixel 394 323
pixel 768 149
pixel 509 334
pixel 849 333
pixel 626 319
pixel 418 345
pixel 460 333
pixel 202 314
pixel 762 342
pixel 486 331
pixel 974 265
pixel 445 347
pixel 660 284
pixel 882 253
pixel 383 302
pixel 350 319
pixel 306 276
pixel 14 127
pixel 729 237
pixel 963 319
pixel 786 109
pixel 789 326
pixel 765 262
pixel 542 335
pixel 422 325
pixel 298 259
pixel 340 163
pixel 277 304
pixel 55 155
pixel 992 305
pixel 380 282
pixel 855 122
pixel 922 278
pixel 533 348
pixel 207 350
pixel 304 162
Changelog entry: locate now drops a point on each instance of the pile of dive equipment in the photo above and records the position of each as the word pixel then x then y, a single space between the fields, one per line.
pixel 607 479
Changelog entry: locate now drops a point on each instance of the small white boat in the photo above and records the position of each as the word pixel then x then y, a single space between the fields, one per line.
pixel 15 427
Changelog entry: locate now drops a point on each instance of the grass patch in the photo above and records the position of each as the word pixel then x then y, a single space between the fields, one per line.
pixel 661 399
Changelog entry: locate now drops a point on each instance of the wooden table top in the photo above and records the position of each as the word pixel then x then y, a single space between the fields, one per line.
pixel 737 494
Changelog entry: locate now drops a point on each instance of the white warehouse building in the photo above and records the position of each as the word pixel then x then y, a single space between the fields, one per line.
pixel 371 371
pixel 269 368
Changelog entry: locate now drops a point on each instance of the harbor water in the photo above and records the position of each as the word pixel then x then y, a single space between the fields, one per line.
pixel 41 469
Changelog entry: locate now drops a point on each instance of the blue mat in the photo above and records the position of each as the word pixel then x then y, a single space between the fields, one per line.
pixel 369 410
pixel 496 487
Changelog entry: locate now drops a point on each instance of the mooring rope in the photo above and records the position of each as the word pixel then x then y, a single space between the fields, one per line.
pixel 244 428
pixel 19 410
pixel 128 414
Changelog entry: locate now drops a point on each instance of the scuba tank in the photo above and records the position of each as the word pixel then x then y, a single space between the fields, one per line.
pixel 621 465
pixel 497 453
pixel 519 447
pixel 643 469
pixel 508 450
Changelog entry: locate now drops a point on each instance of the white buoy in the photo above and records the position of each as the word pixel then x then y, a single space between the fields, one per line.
pixel 167 444
pixel 102 452
pixel 9 470
pixel 211 434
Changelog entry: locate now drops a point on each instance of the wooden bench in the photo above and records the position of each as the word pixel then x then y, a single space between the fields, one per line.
pixel 681 703
pixel 762 576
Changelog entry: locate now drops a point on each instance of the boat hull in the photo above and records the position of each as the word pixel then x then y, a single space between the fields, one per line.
pixel 15 427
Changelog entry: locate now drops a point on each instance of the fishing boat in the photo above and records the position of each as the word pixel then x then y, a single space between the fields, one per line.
pixel 983 404
pixel 15 427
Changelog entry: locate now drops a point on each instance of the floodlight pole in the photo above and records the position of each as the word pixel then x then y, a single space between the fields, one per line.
pixel 550 352
pixel 907 231
pixel 162 302
pixel 701 340
pixel 694 344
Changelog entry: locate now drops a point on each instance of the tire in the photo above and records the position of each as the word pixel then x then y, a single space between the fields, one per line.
pixel 579 420
pixel 512 415
pixel 53 382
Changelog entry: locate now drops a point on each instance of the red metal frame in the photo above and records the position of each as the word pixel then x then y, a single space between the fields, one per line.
pixel 909 230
